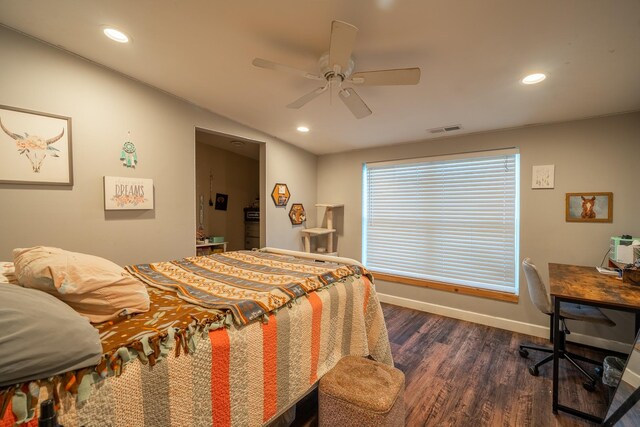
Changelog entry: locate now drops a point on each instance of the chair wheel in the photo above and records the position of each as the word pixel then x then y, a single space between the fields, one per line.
pixel 598 370
pixel 589 386
pixel 523 353
pixel 533 370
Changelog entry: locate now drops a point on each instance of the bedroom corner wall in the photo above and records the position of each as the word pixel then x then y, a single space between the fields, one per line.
pixel 600 154
pixel 104 106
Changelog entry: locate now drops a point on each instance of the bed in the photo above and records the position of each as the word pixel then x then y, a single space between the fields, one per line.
pixel 266 327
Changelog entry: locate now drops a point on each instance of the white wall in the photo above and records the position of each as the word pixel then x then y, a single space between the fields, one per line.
pixel 104 106
pixel 600 154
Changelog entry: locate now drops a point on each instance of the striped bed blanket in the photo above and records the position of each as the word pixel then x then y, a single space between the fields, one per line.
pixel 242 374
pixel 249 284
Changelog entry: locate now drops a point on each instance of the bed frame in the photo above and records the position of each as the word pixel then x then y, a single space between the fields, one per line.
pixel 312 256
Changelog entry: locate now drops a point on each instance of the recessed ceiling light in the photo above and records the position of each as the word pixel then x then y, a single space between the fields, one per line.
pixel 116 35
pixel 532 79
pixel 236 143
pixel 303 129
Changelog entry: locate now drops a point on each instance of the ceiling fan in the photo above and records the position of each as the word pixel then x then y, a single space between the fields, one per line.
pixel 336 67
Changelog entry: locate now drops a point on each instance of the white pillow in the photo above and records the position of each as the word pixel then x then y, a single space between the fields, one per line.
pixel 93 286
pixel 7 273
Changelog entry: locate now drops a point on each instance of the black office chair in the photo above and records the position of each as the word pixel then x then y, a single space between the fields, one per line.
pixel 541 299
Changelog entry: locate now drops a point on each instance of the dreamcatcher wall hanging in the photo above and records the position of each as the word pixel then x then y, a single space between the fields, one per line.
pixel 128 153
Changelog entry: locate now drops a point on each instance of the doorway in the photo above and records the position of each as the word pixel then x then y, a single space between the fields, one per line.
pixel 229 180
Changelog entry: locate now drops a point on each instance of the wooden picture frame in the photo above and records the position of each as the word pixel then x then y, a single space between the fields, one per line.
pixel 297 214
pixel 123 193
pixel 35 147
pixel 280 194
pixel 589 207
pixel 221 201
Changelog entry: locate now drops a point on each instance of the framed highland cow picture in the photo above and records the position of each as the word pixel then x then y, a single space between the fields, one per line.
pixel 35 147
pixel 589 207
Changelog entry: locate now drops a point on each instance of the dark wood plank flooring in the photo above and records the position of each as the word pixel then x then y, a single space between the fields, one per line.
pixel 463 374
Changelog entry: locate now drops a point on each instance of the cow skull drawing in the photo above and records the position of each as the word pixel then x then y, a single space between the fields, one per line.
pixel 34 147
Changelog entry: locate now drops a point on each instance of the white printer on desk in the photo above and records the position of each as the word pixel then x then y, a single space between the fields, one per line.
pixel 625 249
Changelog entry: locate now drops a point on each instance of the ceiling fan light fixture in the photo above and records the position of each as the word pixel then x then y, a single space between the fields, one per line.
pixel 532 79
pixel 115 35
pixel 302 129
pixel 336 67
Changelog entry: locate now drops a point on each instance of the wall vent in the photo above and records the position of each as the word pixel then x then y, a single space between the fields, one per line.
pixel 450 128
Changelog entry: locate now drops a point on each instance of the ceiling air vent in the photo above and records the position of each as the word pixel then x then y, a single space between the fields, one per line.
pixel 443 129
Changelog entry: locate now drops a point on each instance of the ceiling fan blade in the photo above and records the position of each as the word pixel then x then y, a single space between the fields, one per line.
pixel 402 76
pixel 343 37
pixel 354 103
pixel 270 65
pixel 300 102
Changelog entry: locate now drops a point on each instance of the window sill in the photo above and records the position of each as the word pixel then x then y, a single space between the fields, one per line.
pixel 448 287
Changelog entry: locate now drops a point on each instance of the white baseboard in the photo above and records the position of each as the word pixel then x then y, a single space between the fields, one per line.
pixel 632 378
pixel 501 322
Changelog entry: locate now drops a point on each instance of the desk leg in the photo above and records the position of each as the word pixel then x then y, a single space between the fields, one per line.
pixel 623 409
pixel 556 369
pixel 556 351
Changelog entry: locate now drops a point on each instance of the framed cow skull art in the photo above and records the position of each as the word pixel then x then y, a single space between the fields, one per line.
pixel 35 147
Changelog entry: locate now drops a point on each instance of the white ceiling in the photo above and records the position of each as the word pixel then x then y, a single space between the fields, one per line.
pixel 472 55
pixel 240 146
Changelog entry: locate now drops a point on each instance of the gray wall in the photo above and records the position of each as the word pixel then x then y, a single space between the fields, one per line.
pixel 296 173
pixel 600 154
pixel 104 106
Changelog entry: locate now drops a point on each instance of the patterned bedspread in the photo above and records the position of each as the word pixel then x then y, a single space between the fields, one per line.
pixel 242 374
pixel 248 283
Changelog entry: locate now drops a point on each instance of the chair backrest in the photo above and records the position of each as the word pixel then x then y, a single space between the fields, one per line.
pixel 537 290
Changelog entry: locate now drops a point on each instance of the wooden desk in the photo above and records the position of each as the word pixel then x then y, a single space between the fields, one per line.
pixel 576 284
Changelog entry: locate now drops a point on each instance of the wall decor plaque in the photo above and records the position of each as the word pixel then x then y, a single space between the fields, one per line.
pixel 543 176
pixel 121 193
pixel 297 215
pixel 280 194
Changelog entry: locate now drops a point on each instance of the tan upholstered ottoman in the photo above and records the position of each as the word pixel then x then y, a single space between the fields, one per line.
pixel 359 392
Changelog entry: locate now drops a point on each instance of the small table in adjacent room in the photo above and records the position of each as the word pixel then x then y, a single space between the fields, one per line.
pixel 585 285
pixel 209 248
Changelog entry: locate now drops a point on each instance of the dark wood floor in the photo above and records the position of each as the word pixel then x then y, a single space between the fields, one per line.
pixel 463 374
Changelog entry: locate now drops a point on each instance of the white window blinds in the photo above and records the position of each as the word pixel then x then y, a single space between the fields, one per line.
pixel 451 219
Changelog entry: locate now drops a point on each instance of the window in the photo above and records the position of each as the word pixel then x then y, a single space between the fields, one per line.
pixel 451 219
